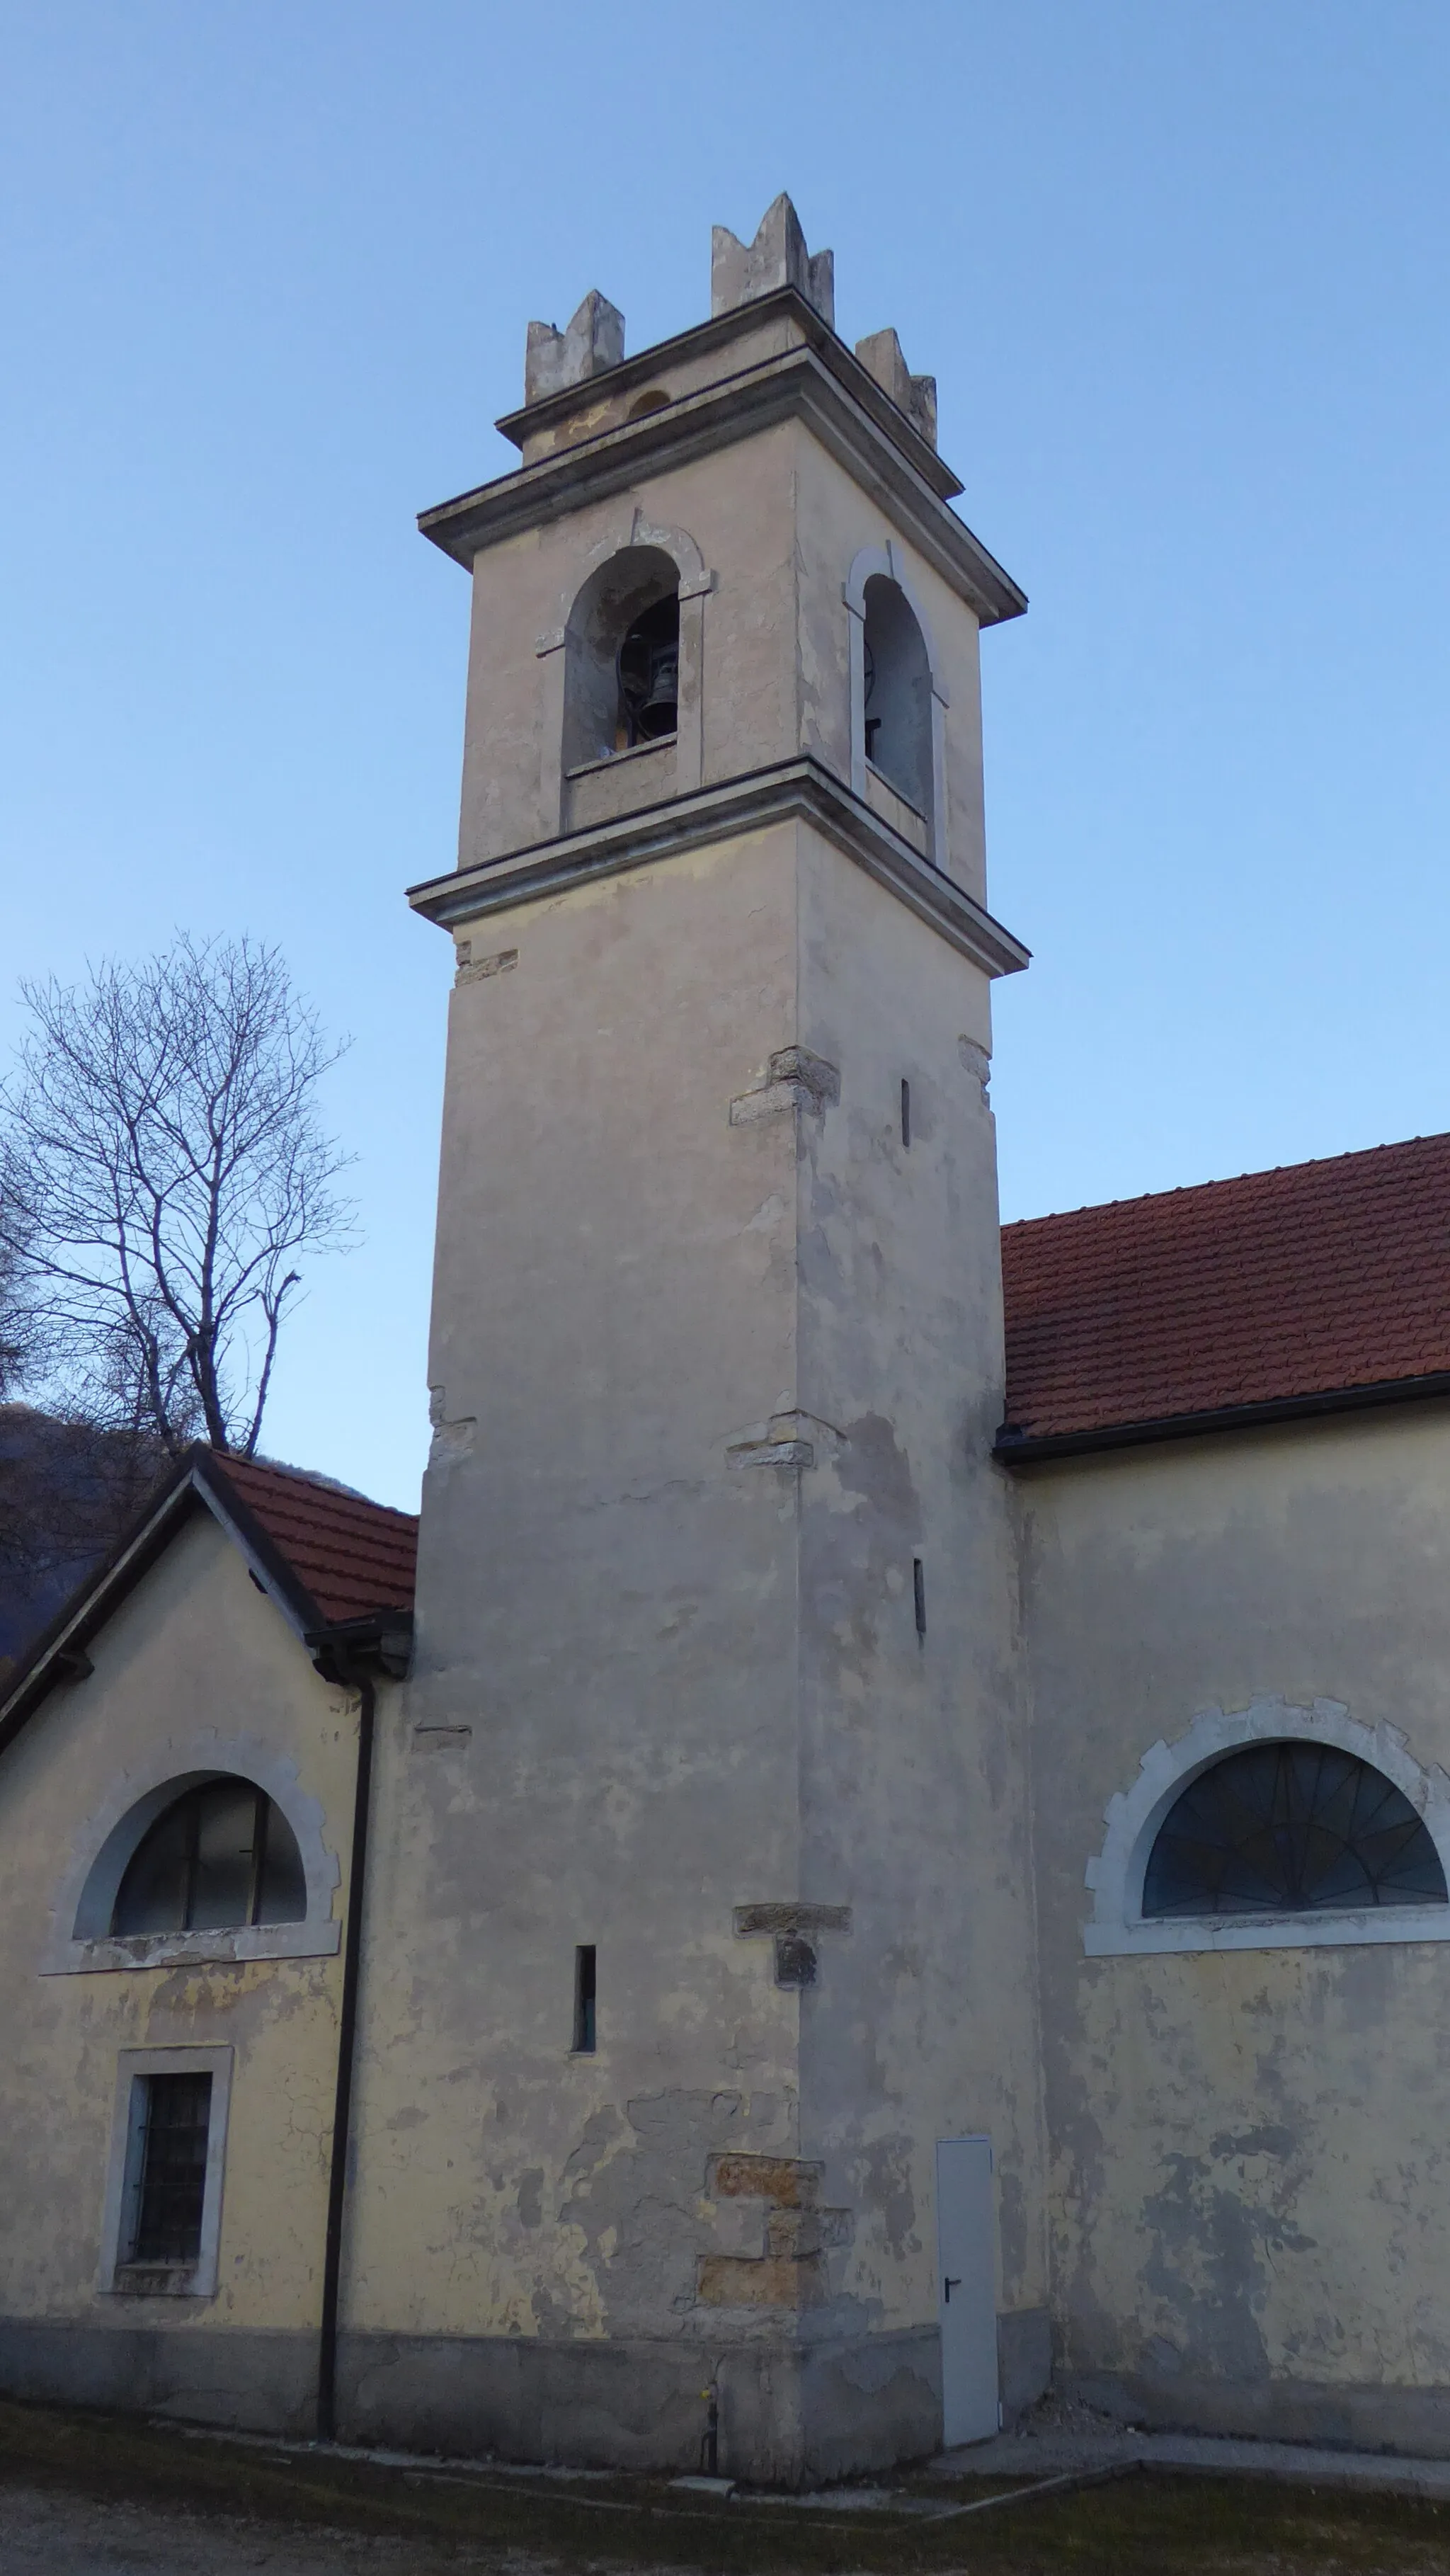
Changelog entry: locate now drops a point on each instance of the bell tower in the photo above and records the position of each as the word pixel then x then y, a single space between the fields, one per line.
pixel 703 1895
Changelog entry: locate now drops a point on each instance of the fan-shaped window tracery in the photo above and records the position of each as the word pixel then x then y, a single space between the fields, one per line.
pixel 220 1857
pixel 1290 1828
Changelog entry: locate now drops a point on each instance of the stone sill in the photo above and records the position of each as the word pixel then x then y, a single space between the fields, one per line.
pixel 612 759
pixel 896 809
pixel 1379 1923
pixel 156 2281
pixel 199 1949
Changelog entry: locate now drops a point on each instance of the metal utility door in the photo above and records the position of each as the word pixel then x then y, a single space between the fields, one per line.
pixel 966 2237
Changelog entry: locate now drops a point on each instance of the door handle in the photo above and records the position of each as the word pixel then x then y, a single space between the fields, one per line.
pixel 950 2283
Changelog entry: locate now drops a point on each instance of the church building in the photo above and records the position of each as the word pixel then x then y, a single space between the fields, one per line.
pixel 892 1850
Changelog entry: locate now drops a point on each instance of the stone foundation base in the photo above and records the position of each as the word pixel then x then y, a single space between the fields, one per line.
pixel 1024 2362
pixel 1415 2421
pixel 257 2383
pixel 791 2413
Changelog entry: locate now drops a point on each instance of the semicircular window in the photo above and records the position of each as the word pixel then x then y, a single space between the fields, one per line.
pixel 1290 1829
pixel 222 1857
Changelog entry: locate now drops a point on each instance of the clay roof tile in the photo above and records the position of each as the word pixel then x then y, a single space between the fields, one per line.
pixel 350 1555
pixel 1305 1280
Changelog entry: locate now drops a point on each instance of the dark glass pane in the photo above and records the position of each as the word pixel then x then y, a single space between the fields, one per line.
pixel 173 2169
pixel 152 1895
pixel 1291 1829
pixel 222 1857
pixel 225 1858
pixel 282 1887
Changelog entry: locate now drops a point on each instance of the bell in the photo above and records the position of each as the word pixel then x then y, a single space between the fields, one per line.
pixel 658 712
pixel 649 673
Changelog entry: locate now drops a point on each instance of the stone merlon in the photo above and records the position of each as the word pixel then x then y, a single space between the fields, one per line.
pixel 880 355
pixel 778 256
pixel 593 341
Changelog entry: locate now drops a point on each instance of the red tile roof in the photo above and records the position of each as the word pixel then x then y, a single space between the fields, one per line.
pixel 1297 1282
pixel 350 1556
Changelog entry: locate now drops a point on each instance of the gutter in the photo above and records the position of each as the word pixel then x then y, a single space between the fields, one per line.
pixel 1013 1448
pixel 352 1654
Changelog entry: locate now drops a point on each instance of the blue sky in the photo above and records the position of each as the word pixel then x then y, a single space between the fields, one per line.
pixel 1180 269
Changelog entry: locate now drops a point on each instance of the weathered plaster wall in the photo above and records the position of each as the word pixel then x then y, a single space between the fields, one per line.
pixel 711 1361
pixel 194 1648
pixel 1249 2149
pixel 600 1742
pixel 914 1783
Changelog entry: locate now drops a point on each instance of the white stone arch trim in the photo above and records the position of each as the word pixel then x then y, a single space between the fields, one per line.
pixel 696 584
pixel 1117 1927
pixel 80 1936
pixel 887 563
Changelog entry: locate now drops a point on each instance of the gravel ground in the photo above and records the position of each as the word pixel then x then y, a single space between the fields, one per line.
pixel 43 2533
pixel 105 2495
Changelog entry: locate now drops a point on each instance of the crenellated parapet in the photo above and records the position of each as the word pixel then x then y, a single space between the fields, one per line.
pixel 741 274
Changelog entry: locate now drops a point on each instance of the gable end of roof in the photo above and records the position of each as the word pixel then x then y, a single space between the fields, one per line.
pixel 321 1555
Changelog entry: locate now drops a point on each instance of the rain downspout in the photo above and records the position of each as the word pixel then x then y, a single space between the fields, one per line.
pixel 350 1654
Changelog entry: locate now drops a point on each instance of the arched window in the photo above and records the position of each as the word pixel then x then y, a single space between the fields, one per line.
pixel 220 1857
pixel 1290 1828
pixel 621 686
pixel 896 695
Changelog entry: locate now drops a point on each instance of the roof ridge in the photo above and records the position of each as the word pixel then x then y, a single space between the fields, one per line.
pixel 1228 1181
pixel 313 1478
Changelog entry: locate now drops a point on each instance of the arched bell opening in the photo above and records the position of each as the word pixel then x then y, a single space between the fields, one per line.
pixel 897 695
pixel 622 675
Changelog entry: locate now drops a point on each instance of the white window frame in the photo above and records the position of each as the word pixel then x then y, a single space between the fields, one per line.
pixel 118 2276
pixel 888 563
pixel 1118 1927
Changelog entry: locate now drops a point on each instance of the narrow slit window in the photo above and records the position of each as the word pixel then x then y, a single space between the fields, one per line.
pixel 584 1995
pixel 170 2179
pixel 906 1113
pixel 918 1588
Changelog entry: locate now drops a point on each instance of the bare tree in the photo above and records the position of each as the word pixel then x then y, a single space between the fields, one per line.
pixel 68 1484
pixel 17 1319
pixel 163 1169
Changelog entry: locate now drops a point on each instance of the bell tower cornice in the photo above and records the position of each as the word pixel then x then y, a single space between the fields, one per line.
pixel 723 335
pixel 792 790
pixel 777 360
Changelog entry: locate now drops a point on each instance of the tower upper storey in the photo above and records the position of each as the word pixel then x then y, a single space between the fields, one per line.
pixel 725 576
